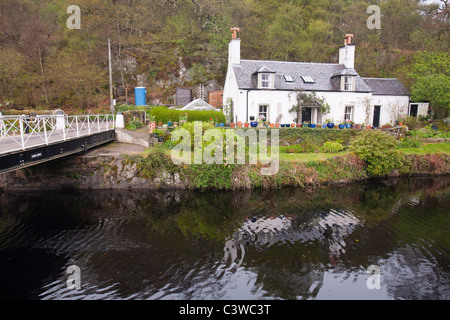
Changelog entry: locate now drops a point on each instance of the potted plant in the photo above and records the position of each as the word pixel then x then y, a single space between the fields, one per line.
pixel 400 121
pixel 386 126
pixel 277 125
pixel 239 124
pixel 160 124
pixel 358 126
pixel 175 124
pixel 232 124
pixel 348 124
pixel 271 125
pixel 182 119
pixel 246 124
pixel 305 124
pixel 283 125
pixel 312 125
pixel 169 123
pixel 330 123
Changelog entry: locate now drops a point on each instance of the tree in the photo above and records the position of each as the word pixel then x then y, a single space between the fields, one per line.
pixel 431 75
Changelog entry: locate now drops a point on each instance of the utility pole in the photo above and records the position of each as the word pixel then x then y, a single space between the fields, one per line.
pixel 111 105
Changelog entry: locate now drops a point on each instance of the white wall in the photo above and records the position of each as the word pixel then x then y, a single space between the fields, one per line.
pixel 391 105
pixel 282 101
pixel 422 108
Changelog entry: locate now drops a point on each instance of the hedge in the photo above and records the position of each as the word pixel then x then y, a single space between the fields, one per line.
pixel 164 114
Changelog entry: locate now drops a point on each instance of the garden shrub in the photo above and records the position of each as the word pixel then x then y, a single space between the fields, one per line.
pixel 134 124
pixel 332 147
pixel 164 114
pixel 378 150
pixel 410 142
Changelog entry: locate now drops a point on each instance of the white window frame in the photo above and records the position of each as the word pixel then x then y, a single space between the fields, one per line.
pixel 265 83
pixel 348 115
pixel 348 83
pixel 263 112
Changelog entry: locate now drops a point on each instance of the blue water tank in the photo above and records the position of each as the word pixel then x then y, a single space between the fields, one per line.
pixel 140 94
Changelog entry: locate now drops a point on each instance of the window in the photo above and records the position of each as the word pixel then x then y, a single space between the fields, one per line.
pixel 263 112
pixel 265 80
pixel 307 79
pixel 288 79
pixel 348 113
pixel 348 83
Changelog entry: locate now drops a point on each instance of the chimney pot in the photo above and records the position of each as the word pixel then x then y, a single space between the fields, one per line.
pixel 234 32
pixel 348 38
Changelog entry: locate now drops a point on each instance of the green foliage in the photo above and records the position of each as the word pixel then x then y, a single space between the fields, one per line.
pixel 431 75
pixel 378 150
pixel 410 142
pixel 316 137
pixel 332 147
pixel 427 132
pixel 154 164
pixel 164 114
pixel 44 63
pixel 207 176
pixel 134 124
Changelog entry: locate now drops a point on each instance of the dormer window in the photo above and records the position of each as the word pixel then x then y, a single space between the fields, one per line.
pixel 265 80
pixel 348 83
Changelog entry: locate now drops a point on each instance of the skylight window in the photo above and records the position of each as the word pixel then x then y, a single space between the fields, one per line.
pixel 308 79
pixel 288 79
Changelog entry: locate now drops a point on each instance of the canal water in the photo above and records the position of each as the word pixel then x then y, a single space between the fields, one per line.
pixel 383 239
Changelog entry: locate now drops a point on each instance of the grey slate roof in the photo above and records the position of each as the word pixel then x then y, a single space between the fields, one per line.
pixel 386 86
pixel 321 73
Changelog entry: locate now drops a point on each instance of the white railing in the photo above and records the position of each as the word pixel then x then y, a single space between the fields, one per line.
pixel 22 132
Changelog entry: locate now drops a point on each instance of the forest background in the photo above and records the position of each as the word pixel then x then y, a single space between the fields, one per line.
pixel 163 44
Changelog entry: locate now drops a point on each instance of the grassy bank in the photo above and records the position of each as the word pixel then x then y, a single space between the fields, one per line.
pixel 295 169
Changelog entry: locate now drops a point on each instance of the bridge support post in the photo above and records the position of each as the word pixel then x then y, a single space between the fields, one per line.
pixel 21 131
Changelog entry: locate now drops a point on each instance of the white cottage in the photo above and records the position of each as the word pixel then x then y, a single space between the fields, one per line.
pixel 257 88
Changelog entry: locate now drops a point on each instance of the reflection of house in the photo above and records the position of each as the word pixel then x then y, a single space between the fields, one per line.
pixel 269 88
pixel 261 233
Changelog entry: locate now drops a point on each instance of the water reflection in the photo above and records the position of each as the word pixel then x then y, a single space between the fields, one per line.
pixel 283 244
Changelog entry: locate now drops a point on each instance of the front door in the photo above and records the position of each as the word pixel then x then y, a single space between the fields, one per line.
pixel 376 116
pixel 413 111
pixel 306 115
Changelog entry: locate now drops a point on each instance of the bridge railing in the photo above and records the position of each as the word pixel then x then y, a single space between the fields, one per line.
pixel 22 132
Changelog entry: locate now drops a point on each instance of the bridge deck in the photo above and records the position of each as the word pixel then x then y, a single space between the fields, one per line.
pixel 26 141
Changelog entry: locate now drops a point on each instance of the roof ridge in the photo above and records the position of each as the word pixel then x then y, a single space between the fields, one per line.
pixel 380 78
pixel 262 61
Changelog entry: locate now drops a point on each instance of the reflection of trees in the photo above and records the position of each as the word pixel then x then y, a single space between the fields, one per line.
pixel 147 242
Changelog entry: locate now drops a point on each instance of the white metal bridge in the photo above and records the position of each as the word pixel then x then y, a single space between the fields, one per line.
pixel 31 139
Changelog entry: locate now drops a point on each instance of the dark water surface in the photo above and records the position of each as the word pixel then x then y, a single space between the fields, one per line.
pixel 282 244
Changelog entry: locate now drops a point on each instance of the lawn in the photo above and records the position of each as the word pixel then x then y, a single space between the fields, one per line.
pixel 303 157
pixel 429 148
pixel 425 149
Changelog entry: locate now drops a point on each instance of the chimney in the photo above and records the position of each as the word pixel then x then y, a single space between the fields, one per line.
pixel 234 48
pixel 347 52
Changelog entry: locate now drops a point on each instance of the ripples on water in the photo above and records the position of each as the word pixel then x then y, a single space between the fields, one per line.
pixel 284 244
